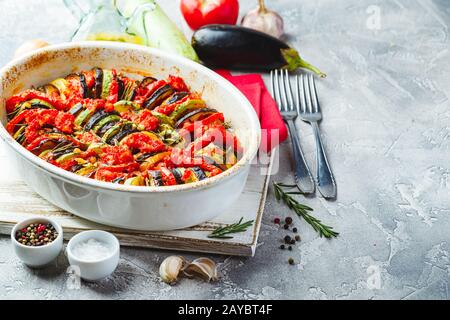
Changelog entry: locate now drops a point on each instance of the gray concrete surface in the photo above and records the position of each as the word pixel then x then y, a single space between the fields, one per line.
pixel 386 128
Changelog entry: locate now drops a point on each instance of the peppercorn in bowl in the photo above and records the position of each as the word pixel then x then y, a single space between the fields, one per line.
pixel 37 241
pixel 122 160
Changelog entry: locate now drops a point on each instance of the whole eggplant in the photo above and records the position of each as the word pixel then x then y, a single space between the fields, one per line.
pixel 240 48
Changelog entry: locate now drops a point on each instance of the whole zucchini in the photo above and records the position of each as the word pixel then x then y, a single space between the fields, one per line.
pixel 235 47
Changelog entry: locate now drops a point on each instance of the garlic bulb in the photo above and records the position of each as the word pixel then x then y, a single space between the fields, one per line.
pixel 264 20
pixel 29 46
pixel 170 268
pixel 203 267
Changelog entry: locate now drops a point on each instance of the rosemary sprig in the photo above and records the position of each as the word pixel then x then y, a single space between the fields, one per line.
pixel 221 232
pixel 302 210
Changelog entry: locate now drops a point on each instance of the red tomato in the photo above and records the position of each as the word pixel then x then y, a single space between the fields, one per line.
pixel 198 13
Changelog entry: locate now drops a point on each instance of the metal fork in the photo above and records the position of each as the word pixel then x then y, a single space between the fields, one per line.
pixel 310 112
pixel 282 93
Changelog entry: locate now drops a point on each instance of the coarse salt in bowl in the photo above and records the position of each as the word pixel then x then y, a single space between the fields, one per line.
pixel 94 253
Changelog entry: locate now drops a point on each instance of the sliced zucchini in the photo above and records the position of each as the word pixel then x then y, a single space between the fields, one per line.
pixel 76 109
pixel 186 107
pixel 163 118
pixel 67 156
pixel 129 91
pixel 86 170
pixel 49 89
pixel 194 115
pixel 125 130
pixel 126 106
pixel 19 135
pixel 111 132
pixel 154 178
pixel 61 85
pixel 154 159
pixel 158 97
pixel 108 78
pixel 135 181
pixel 83 117
pixel 99 126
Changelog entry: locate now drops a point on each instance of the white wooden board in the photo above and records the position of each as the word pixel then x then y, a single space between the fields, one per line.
pixel 18 201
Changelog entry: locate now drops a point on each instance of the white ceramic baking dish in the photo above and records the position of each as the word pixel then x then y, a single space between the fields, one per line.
pixel 140 208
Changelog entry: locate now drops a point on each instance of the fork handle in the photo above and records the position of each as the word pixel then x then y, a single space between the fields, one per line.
pixel 302 174
pixel 325 180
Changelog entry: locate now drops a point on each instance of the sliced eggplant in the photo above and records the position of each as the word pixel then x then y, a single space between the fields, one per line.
pixel 120 87
pixel 146 81
pixel 76 109
pixel 98 85
pixel 84 86
pixel 119 180
pixel 177 96
pixel 154 178
pixel 50 144
pixel 63 149
pixel 99 115
pixel 194 115
pixel 158 97
pixel 198 172
pixel 178 174
pixel 186 107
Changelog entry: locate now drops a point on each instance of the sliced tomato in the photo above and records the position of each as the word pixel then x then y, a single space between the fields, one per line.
pixel 177 83
pixel 143 142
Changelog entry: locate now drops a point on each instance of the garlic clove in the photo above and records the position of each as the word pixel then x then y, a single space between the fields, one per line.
pixel 264 20
pixel 170 269
pixel 203 267
pixel 29 46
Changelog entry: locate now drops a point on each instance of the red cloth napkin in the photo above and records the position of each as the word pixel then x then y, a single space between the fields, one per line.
pixel 252 86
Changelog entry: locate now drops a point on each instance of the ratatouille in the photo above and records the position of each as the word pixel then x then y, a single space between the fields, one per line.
pixel 104 125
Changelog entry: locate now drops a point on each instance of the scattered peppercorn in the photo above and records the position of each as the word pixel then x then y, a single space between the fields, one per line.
pixel 290 248
pixel 276 220
pixel 36 235
pixel 291 261
pixel 294 230
pixel 286 226
pixel 287 239
pixel 292 241
pixel 282 247
pixel 297 238
pixel 288 220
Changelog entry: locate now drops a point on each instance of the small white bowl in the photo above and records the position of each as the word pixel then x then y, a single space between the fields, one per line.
pixel 94 270
pixel 42 255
